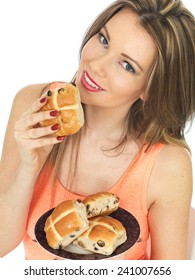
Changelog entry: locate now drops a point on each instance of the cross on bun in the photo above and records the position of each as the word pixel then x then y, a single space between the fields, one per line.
pixel 67 221
pixel 65 98
pixel 102 203
pixel 103 236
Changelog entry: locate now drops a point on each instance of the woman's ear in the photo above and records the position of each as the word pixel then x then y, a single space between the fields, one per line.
pixel 142 96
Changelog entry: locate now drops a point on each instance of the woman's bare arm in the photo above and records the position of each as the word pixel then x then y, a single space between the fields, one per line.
pixel 23 155
pixel 171 190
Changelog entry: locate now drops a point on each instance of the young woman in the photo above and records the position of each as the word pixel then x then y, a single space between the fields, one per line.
pixel 136 81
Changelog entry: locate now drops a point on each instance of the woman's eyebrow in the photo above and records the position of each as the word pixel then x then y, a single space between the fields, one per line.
pixel 107 33
pixel 123 54
pixel 133 60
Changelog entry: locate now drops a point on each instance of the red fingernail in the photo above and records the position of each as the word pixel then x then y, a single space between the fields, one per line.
pixel 60 138
pixel 54 113
pixel 43 99
pixel 55 126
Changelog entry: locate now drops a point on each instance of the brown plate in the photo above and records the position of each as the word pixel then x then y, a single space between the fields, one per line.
pixel 127 219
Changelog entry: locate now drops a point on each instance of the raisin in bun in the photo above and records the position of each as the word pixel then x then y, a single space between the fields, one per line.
pixel 102 203
pixel 103 236
pixel 66 223
pixel 65 98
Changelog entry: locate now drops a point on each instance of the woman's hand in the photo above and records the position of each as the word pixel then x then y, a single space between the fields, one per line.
pixel 35 142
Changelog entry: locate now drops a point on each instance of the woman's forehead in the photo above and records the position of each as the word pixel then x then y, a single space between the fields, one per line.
pixel 128 35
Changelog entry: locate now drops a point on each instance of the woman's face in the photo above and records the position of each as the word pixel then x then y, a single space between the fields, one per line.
pixel 115 63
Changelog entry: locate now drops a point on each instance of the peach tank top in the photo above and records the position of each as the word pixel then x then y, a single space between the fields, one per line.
pixel 131 188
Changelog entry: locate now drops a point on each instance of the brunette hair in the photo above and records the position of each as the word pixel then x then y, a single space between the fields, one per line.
pixel 170 95
pixel 170 99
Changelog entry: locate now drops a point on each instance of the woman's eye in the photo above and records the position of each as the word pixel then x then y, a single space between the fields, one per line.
pixel 127 66
pixel 103 40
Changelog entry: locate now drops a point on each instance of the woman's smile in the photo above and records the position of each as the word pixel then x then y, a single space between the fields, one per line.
pixel 89 84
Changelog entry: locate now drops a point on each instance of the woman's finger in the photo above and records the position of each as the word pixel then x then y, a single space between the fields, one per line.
pixel 36 106
pixel 33 144
pixel 35 133
pixel 29 121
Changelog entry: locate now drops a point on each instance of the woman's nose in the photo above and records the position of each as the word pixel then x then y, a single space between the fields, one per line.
pixel 100 65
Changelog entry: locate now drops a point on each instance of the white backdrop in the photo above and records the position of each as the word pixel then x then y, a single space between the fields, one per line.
pixel 40 41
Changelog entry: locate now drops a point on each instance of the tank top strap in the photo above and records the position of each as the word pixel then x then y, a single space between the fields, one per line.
pixel 134 181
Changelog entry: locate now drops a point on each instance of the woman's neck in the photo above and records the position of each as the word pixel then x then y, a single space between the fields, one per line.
pixel 102 122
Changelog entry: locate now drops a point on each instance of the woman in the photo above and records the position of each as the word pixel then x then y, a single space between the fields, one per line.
pixel 136 80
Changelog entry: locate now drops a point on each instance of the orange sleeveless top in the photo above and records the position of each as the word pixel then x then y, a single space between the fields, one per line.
pixel 131 188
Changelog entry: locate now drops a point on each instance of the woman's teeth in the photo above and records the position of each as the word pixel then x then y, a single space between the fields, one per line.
pixel 90 82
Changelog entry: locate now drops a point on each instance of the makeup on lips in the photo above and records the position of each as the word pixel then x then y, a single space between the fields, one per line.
pixel 89 84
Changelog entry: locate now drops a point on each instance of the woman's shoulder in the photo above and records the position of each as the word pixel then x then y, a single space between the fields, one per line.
pixel 174 162
pixel 174 157
pixel 171 174
pixel 28 94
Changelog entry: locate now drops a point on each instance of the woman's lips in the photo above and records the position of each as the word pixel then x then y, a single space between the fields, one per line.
pixel 89 84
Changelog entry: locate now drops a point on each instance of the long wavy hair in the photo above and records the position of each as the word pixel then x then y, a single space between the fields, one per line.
pixel 169 105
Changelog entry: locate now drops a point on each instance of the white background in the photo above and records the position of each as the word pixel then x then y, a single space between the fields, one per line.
pixel 39 42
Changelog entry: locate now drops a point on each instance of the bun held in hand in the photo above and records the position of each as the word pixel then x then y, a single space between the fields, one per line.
pixel 65 98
